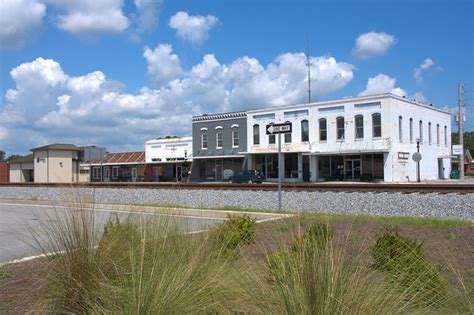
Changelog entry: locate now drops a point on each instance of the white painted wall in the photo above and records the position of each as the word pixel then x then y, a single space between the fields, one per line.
pixel 159 150
pixel 390 107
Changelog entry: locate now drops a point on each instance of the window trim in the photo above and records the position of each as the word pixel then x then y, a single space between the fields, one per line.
pixel 358 127
pixel 235 132
pixel 217 139
pixel 338 119
pixel 376 126
pixel 202 141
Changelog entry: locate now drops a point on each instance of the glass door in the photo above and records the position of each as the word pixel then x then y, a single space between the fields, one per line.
pixel 352 170
pixel 219 170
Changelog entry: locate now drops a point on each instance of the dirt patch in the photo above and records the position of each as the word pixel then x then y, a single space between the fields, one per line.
pixel 23 284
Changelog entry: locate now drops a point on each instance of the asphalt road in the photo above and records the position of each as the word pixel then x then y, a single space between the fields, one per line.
pixel 18 223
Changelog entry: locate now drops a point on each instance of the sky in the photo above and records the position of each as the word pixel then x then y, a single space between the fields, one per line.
pixel 115 73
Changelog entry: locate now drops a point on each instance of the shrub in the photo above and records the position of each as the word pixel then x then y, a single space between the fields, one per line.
pixel 234 232
pixel 406 267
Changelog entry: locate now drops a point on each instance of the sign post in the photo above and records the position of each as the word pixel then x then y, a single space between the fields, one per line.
pixel 273 129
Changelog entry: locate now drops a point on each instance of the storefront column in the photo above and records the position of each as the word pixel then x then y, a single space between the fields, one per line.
pixel 313 168
pixel 300 167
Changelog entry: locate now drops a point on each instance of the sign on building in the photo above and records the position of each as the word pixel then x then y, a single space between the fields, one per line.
pixel 457 149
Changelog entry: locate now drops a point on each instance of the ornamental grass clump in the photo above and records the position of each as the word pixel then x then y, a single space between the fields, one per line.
pixel 405 266
pixel 236 231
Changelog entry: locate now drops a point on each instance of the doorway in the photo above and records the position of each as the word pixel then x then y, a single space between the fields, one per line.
pixel 352 169
pixel 306 171
pixel 440 169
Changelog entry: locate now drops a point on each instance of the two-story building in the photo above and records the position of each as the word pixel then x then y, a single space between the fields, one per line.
pixel 368 137
pixel 168 159
pixel 219 145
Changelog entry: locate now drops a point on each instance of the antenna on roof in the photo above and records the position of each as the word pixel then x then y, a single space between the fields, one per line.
pixel 308 64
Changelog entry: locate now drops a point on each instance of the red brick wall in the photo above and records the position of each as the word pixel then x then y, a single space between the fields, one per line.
pixel 4 172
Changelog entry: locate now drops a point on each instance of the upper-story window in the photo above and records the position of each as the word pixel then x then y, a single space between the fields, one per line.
pixel 445 135
pixel 400 128
pixel 376 125
pixel 437 134
pixel 411 129
pixel 219 139
pixel 359 126
pixel 429 132
pixel 340 126
pixel 256 134
pixel 271 138
pixel 323 129
pixel 420 135
pixel 304 131
pixel 288 136
pixel 204 140
pixel 235 138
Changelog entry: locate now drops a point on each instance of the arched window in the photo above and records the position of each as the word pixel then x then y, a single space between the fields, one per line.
pixel 437 134
pixel 287 136
pixel 376 125
pixel 304 131
pixel 445 135
pixel 429 132
pixel 204 140
pixel 219 139
pixel 340 128
pixel 411 129
pixel 359 126
pixel 256 134
pixel 323 129
pixel 400 128
pixel 420 135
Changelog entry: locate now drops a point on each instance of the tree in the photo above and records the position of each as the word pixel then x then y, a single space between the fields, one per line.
pixel 468 140
pixel 12 157
pixel 2 156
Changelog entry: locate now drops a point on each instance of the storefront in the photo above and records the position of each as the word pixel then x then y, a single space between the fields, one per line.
pixel 216 169
pixel 354 167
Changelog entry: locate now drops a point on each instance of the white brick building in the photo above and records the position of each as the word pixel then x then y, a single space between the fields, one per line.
pixel 368 137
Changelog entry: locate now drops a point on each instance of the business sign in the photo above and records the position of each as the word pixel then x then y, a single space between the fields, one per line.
pixel 457 149
pixel 278 128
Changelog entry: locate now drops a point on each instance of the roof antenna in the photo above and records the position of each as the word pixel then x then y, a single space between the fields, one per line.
pixel 308 64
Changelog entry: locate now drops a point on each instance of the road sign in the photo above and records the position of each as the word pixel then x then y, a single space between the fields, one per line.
pixel 457 149
pixel 274 129
pixel 416 157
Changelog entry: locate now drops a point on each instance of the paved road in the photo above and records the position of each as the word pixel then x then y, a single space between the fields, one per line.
pixel 18 220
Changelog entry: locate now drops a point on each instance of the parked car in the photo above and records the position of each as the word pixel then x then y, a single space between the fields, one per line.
pixel 249 177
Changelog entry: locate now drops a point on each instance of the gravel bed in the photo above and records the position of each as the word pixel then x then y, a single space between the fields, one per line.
pixel 453 206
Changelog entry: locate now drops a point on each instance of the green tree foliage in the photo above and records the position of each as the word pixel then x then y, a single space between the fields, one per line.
pixel 468 140
pixel 2 156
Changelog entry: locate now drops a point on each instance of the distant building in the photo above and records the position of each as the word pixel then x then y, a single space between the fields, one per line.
pixel 56 163
pixel 219 145
pixel 4 172
pixel 22 169
pixel 168 159
pixel 118 167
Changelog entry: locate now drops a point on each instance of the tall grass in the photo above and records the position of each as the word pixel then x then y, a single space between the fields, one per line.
pixel 137 266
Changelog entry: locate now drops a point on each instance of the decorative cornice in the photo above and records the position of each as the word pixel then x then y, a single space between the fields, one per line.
pixel 220 116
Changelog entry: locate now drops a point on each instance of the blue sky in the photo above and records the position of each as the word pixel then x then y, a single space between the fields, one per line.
pixel 116 73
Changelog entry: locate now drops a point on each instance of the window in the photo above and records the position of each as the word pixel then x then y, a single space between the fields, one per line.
pixel 271 139
pixel 400 128
pixel 256 134
pixel 445 135
pixel 96 172
pixel 429 133
pixel 376 125
pixel 437 134
pixel 106 172
pixel 323 131
pixel 204 141
pixel 411 129
pixel 115 172
pixel 219 140
pixel 340 128
pixel 287 137
pixel 235 138
pixel 420 136
pixel 304 131
pixel 359 127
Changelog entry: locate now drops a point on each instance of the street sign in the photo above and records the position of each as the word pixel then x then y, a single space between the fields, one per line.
pixel 274 129
pixel 416 157
pixel 457 149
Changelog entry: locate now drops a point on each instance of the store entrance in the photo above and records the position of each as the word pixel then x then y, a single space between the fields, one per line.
pixel 352 169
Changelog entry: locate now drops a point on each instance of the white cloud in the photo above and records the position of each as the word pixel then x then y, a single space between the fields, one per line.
pixel 3 133
pixel 47 105
pixel 146 17
pixel 382 83
pixel 373 44
pixel 91 17
pixel 19 20
pixel 193 28
pixel 427 64
pixel 163 65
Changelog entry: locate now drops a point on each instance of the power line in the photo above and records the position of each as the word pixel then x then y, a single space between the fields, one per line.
pixel 308 64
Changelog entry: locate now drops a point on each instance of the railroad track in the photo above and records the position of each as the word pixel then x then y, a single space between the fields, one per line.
pixel 442 188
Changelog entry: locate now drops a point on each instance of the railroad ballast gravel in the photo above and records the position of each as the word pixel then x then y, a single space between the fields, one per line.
pixel 452 206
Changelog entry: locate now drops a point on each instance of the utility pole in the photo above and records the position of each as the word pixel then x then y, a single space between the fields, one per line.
pixel 461 131
pixel 308 64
